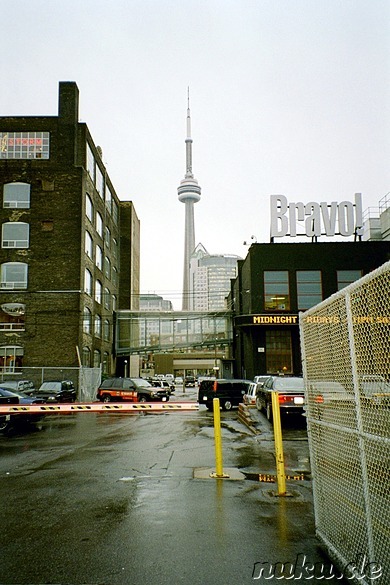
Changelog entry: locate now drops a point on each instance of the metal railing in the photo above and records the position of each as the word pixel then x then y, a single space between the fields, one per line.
pixel 346 362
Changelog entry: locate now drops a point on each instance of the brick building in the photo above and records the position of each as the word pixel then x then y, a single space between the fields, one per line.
pixel 69 251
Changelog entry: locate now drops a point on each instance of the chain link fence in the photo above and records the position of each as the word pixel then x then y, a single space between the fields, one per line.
pixel 346 362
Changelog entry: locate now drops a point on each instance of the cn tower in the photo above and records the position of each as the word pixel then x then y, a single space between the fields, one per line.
pixel 188 193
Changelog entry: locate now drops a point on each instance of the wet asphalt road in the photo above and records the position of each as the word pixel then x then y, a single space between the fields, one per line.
pixel 112 500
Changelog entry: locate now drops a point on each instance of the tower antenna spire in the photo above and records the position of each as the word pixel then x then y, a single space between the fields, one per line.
pixel 188 193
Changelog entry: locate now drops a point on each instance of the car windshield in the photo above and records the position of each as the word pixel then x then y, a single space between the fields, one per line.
pixel 288 384
pixel 50 387
pixel 141 382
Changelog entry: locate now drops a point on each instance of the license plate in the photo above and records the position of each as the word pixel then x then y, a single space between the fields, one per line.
pixel 298 399
pixel 204 397
pixel 164 399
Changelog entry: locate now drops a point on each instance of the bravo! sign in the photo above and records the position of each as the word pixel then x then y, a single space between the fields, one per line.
pixel 316 219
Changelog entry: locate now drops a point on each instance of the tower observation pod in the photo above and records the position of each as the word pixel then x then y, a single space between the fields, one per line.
pixel 188 193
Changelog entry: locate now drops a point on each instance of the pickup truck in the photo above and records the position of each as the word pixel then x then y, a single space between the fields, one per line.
pixel 291 395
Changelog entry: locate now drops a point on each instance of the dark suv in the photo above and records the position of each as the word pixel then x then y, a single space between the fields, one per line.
pixel 57 391
pixel 131 390
pixel 229 392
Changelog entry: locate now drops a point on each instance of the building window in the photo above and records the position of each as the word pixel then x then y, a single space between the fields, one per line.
pixel 98 291
pixel 278 351
pixel 107 237
pixel 108 199
pixel 15 234
pixel 88 208
pixel 115 248
pixel 309 288
pixel 87 321
pixel 114 276
pixel 12 316
pixel 107 299
pixel 90 163
pixel 99 182
pixel 11 358
pixel 96 358
pixel 106 330
pixel 114 301
pixel 99 257
pixel 99 224
pixel 346 277
pixel 115 212
pixel 98 326
pixel 106 363
pixel 86 357
pixel 13 275
pixel 88 282
pixel 88 245
pixel 107 267
pixel 16 195
pixel 276 290
pixel 24 145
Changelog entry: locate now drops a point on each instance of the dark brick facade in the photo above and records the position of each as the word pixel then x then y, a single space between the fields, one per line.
pixel 55 297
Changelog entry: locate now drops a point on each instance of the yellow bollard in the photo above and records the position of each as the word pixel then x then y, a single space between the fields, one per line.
pixel 280 475
pixel 218 441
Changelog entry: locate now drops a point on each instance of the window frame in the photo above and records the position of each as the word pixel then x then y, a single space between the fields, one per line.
pixel 9 203
pixel 15 243
pixel 20 284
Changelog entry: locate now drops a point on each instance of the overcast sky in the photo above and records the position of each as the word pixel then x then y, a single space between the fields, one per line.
pixel 287 97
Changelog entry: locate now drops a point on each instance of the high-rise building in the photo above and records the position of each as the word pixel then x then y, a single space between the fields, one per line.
pixel 188 193
pixel 69 252
pixel 210 279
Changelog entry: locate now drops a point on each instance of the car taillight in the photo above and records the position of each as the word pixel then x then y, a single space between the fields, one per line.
pixel 215 386
pixel 285 398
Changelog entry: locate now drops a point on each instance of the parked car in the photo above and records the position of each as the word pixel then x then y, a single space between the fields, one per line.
pixel 130 389
pixel 291 395
pixel 260 379
pixel 190 381
pixel 8 397
pixel 229 392
pixel 25 386
pixel 250 395
pixel 163 384
pixel 178 381
pixel 57 391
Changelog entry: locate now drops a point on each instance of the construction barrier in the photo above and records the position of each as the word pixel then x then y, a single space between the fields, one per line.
pixel 98 407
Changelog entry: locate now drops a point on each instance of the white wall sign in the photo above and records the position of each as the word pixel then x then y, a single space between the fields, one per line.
pixel 316 219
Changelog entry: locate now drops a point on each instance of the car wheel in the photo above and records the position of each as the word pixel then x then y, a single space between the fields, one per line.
pixel 227 405
pixel 106 398
pixel 269 411
pixel 142 399
pixel 4 425
pixel 259 406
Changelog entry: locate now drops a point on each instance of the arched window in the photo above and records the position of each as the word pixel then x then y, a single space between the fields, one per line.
pixel 99 224
pixel 96 358
pixel 88 282
pixel 98 291
pixel 16 195
pixel 98 326
pixel 13 275
pixel 15 234
pixel 88 245
pixel 88 208
pixel 86 357
pixel 107 299
pixel 107 267
pixel 99 257
pixel 106 330
pixel 87 320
